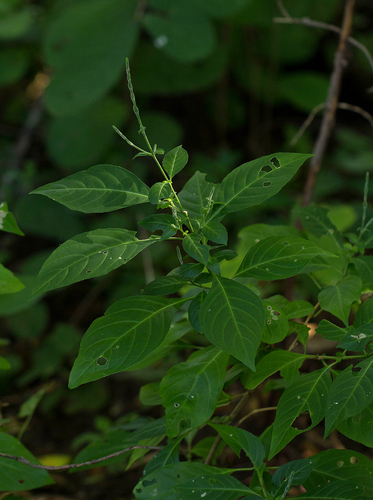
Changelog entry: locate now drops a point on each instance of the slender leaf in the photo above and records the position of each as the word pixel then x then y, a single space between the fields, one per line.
pixel 278 257
pixel 190 390
pixel 338 299
pixel 131 329
pixel 350 393
pixel 310 394
pixel 193 247
pixel 239 439
pixel 232 317
pixel 287 362
pixel 165 285
pixel 174 161
pixel 255 181
pixel 316 221
pixel 102 188
pixel 88 255
pixel 216 232
pixel 15 476
pixel 194 195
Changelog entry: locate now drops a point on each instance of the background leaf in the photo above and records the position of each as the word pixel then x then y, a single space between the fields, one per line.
pixel 8 282
pixel 131 329
pixel 338 299
pixel 232 318
pixel 315 220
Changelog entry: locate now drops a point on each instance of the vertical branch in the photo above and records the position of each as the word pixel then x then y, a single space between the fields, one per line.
pixel 331 104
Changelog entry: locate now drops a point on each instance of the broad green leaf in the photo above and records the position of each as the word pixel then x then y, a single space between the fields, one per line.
pixel 149 394
pixel 7 221
pixel 194 195
pixel 15 476
pixel 102 33
pixel 119 438
pixel 159 191
pixel 162 483
pixel 195 249
pixel 364 314
pixel 364 267
pixel 102 188
pixel 167 456
pixel 89 255
pixel 250 235
pixel 350 393
pixel 359 427
pixel 194 310
pixel 190 390
pixel 239 439
pixel 301 330
pixel 215 487
pixel 232 318
pixel 287 362
pixel 255 181
pixel 332 332
pixel 162 222
pixel 298 309
pixel 338 299
pixel 190 271
pixel 278 257
pixel 309 393
pixel 316 221
pixel 131 329
pixel 8 282
pixel 174 161
pixel 216 232
pixel 165 285
pixel 276 324
pixel 357 339
pixel 225 254
pixel 300 469
pixel 335 490
pixel 343 465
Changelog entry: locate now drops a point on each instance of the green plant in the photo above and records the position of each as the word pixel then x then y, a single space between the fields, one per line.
pixel 220 321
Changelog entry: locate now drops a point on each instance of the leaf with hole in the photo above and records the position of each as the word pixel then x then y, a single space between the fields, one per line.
pixel 276 324
pixel 338 299
pixel 308 394
pixel 174 161
pixel 130 330
pixel 350 393
pixel 102 188
pixel 255 181
pixel 190 390
pixel 232 318
pixel 278 257
pixel 89 255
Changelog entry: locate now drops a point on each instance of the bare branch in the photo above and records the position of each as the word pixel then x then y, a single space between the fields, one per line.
pixel 23 460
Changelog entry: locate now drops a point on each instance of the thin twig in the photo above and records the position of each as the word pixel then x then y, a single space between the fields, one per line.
pixel 259 410
pixel 331 105
pixel 23 460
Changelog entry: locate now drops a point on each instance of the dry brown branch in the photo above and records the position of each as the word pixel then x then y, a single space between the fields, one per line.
pixel 55 468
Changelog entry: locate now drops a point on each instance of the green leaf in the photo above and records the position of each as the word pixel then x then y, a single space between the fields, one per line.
pixel 256 181
pixel 359 427
pixel 216 232
pixel 193 247
pixel 343 465
pixel 194 310
pixel 4 364
pixel 225 254
pixel 7 221
pixel 162 222
pixel 232 318
pixel 276 324
pixel 165 285
pixel 316 221
pixel 364 268
pixel 298 309
pixel 15 476
pixel 287 362
pixel 194 195
pixel 300 469
pixel 331 332
pixel 278 257
pixel 358 338
pixel 102 34
pixel 364 314
pixel 102 188
pixel 190 390
pixel 174 161
pixel 160 191
pixel 131 329
pixel 149 394
pixel 214 488
pixel 239 439
pixel 338 299
pixel 190 271
pixel 335 490
pixel 167 456
pixel 89 255
pixel 350 393
pixel 254 233
pixel 310 394
pixel 8 282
